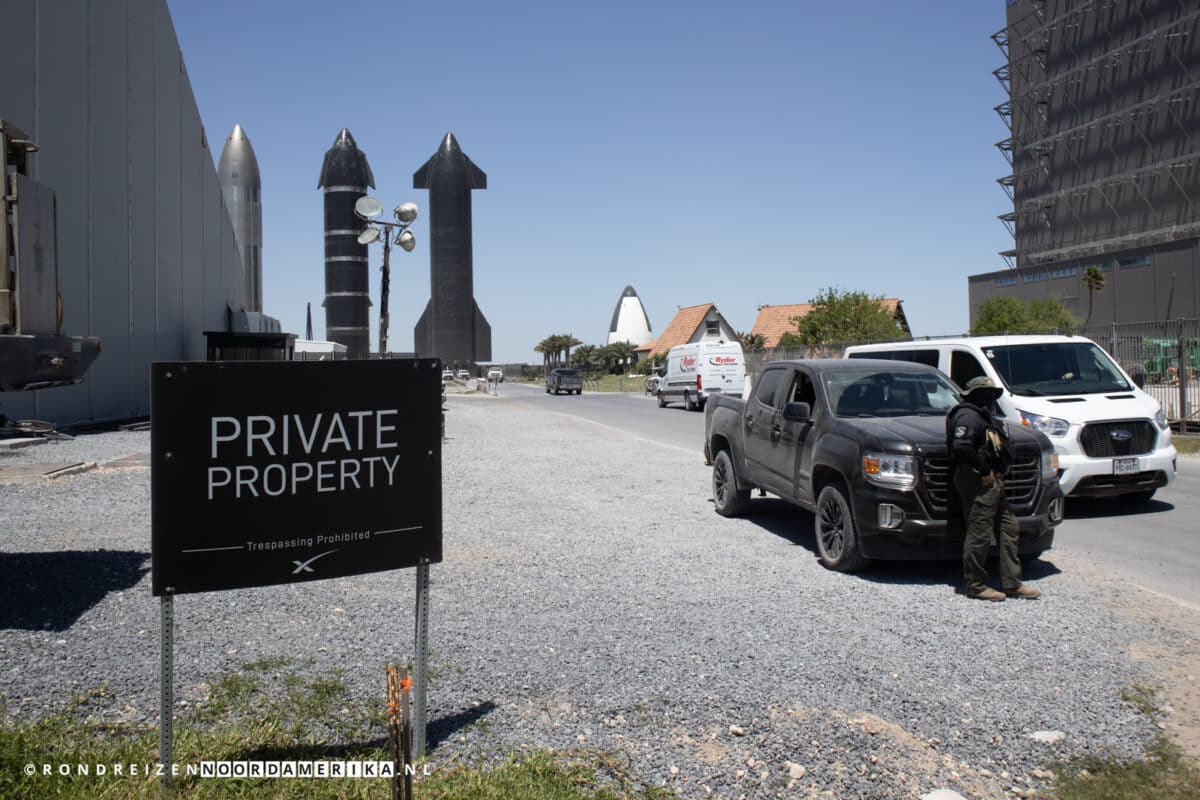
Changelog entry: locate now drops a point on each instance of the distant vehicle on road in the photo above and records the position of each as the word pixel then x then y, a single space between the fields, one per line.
pixel 447 374
pixel 566 380
pixel 496 374
pixel 862 445
pixel 463 375
pixel 694 372
pixel 1112 438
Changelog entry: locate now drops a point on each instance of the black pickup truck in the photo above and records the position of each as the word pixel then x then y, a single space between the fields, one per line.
pixel 862 444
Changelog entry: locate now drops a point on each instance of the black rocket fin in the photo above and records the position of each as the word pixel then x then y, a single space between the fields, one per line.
pixel 421 176
pixel 483 337
pixel 421 334
pixel 478 176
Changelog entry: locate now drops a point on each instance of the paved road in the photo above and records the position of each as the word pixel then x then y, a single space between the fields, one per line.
pixel 1156 546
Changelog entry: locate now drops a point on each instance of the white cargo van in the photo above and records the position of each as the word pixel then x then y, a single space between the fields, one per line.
pixel 1111 437
pixel 695 371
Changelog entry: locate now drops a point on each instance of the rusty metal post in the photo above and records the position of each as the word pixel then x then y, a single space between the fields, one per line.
pixel 420 666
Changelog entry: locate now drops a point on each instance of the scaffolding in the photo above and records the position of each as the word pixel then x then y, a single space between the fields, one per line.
pixel 1087 69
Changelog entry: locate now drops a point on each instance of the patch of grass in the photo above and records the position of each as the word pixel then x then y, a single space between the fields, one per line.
pixel 1189 444
pixel 1164 774
pixel 616 383
pixel 1142 697
pixel 253 716
pixel 540 775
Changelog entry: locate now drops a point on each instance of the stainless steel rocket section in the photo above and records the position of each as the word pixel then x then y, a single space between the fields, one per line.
pixel 345 176
pixel 241 186
pixel 452 327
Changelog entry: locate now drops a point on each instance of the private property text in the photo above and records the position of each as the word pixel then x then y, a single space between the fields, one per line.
pixel 348 435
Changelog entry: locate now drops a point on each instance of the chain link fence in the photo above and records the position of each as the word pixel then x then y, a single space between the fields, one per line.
pixel 1165 356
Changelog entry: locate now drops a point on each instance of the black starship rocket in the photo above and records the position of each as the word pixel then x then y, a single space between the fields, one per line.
pixel 345 176
pixel 452 327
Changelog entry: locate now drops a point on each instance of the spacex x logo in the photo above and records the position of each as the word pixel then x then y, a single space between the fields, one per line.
pixel 303 566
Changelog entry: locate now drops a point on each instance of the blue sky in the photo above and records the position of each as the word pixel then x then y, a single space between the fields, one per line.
pixel 741 154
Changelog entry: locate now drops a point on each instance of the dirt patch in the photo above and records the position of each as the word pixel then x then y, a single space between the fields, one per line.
pixel 1169 648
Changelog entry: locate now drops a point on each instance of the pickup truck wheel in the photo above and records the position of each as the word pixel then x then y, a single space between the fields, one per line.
pixel 837 540
pixel 662 401
pixel 728 499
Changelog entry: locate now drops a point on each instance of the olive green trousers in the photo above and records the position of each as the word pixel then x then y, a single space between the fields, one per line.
pixel 988 518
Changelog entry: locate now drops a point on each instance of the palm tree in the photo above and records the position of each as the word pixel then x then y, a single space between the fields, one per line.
pixel 1093 279
pixel 543 347
pixel 557 342
pixel 569 341
pixel 616 354
pixel 585 357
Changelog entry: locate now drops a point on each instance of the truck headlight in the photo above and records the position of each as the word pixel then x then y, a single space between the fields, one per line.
pixel 1051 426
pixel 1049 464
pixel 1160 419
pixel 889 469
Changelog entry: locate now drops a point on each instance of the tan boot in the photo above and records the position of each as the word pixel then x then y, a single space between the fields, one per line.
pixel 986 593
pixel 1024 592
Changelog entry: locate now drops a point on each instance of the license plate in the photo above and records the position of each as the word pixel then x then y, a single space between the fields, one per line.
pixel 1125 466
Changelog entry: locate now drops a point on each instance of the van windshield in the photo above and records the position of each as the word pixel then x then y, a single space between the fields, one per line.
pixel 884 393
pixel 1056 368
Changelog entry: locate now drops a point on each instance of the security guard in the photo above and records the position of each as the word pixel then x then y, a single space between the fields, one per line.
pixel 982 454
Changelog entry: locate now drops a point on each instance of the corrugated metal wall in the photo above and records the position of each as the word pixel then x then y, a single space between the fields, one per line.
pixel 146 255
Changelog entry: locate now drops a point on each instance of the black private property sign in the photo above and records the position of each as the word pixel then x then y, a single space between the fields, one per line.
pixel 279 472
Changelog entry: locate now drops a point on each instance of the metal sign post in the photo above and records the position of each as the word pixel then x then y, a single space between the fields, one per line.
pixel 166 683
pixel 421 648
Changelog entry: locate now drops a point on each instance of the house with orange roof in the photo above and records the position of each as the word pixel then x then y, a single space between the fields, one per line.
pixel 702 323
pixel 775 321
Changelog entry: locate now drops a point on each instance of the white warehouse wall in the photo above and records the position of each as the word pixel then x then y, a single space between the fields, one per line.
pixel 146 254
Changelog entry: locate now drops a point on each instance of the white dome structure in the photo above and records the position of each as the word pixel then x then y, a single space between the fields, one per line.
pixel 629 320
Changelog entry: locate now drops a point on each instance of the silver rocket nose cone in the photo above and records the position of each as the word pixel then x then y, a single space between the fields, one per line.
pixel 449 145
pixel 344 140
pixel 237 160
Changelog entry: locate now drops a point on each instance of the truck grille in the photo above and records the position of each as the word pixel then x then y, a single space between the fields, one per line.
pixel 937 483
pixel 1121 438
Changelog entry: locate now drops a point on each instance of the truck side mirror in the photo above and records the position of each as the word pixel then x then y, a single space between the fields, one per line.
pixel 797 412
pixel 1139 379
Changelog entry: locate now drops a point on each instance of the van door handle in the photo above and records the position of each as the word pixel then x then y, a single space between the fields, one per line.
pixel 775 433
pixel 749 421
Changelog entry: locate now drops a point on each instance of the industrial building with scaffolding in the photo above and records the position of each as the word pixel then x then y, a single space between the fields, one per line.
pixel 1104 147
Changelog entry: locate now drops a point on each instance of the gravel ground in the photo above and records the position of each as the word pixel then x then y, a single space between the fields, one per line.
pixel 590 597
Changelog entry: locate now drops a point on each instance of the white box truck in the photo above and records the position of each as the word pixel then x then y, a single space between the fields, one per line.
pixel 1111 437
pixel 696 371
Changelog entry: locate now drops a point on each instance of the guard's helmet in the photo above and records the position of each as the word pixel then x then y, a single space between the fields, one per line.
pixel 982 391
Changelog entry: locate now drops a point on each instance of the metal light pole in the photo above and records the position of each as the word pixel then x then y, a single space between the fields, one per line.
pixel 368 208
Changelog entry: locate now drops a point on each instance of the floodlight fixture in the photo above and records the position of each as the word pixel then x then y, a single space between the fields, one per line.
pixel 368 207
